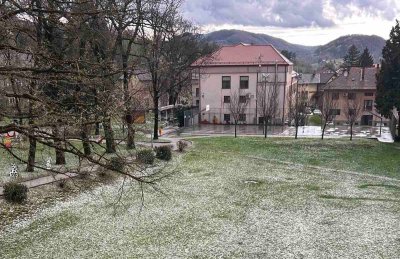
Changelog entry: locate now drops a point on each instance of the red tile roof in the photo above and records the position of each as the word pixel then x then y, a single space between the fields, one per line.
pixel 243 54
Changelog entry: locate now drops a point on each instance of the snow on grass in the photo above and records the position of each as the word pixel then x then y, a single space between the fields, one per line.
pixel 208 208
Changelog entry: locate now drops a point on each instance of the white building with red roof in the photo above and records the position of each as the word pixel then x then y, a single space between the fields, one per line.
pixel 240 69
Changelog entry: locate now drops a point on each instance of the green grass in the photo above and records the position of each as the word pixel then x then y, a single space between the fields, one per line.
pixel 218 201
pixel 42 154
pixel 366 156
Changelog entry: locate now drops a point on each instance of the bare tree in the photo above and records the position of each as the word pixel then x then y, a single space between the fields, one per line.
pixel 237 107
pixel 298 99
pixel 353 110
pixel 170 46
pixel 267 100
pixel 328 106
pixel 126 18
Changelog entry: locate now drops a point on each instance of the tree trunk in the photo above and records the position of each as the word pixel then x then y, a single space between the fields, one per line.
pixel 85 141
pixel 131 136
pixel 32 141
pixel 297 129
pixel 60 155
pixel 32 154
pixel 323 131
pixel 97 129
pixel 109 135
pixel 351 132
pixel 155 103
pixel 235 129
pixel 265 128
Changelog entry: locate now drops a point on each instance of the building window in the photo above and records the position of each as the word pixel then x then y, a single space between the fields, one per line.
pixel 227 99
pixel 197 92
pixel 226 82
pixel 368 104
pixel 242 117
pixel 335 96
pixel 242 99
pixel 197 103
pixel 11 100
pixel 351 96
pixel 335 112
pixel 369 94
pixel 227 118
pixel 244 82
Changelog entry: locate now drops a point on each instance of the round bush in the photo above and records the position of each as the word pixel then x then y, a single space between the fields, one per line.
pixel 182 145
pixel 164 152
pixel 146 156
pixel 315 120
pixel 15 192
pixel 117 163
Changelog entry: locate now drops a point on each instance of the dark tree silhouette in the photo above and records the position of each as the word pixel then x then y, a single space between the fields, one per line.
pixel 366 59
pixel 388 79
pixel 352 57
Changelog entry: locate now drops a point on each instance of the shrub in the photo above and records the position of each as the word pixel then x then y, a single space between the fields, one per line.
pixel 182 145
pixel 146 156
pixel 315 120
pixel 164 152
pixel 15 192
pixel 62 184
pixel 117 163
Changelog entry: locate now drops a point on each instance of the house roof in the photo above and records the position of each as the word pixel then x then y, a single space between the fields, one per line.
pixel 325 77
pixel 353 80
pixel 244 54
pixel 140 74
pixel 310 79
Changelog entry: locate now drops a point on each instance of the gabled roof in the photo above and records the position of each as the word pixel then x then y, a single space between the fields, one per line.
pixel 352 79
pixel 243 54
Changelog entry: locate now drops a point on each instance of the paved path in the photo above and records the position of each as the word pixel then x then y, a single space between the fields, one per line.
pixel 44 180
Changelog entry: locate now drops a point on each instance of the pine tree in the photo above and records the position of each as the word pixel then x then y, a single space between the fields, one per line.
pixel 352 58
pixel 366 59
pixel 388 79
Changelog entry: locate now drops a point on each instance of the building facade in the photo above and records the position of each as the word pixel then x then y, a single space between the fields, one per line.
pixel 240 70
pixel 356 85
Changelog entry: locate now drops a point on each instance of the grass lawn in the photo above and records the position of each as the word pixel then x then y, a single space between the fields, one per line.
pixel 234 198
pixel 42 154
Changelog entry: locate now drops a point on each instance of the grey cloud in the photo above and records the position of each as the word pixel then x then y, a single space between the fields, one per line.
pixel 386 9
pixel 281 13
pixel 289 13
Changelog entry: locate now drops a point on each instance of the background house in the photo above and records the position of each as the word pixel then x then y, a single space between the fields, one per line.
pixel 240 69
pixel 358 85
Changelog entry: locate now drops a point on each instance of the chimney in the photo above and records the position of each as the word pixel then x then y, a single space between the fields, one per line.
pixel 362 74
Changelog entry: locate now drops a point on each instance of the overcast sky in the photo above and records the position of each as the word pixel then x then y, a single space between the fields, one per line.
pixel 306 22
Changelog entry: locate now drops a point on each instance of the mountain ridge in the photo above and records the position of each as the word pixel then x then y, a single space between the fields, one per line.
pixel 335 49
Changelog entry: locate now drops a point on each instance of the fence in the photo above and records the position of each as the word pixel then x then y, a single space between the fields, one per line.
pixel 248 117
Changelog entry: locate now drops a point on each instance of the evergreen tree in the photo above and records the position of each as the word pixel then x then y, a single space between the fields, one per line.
pixel 352 58
pixel 366 59
pixel 388 79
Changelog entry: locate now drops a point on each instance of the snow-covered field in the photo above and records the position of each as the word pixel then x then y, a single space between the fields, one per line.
pixel 222 203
